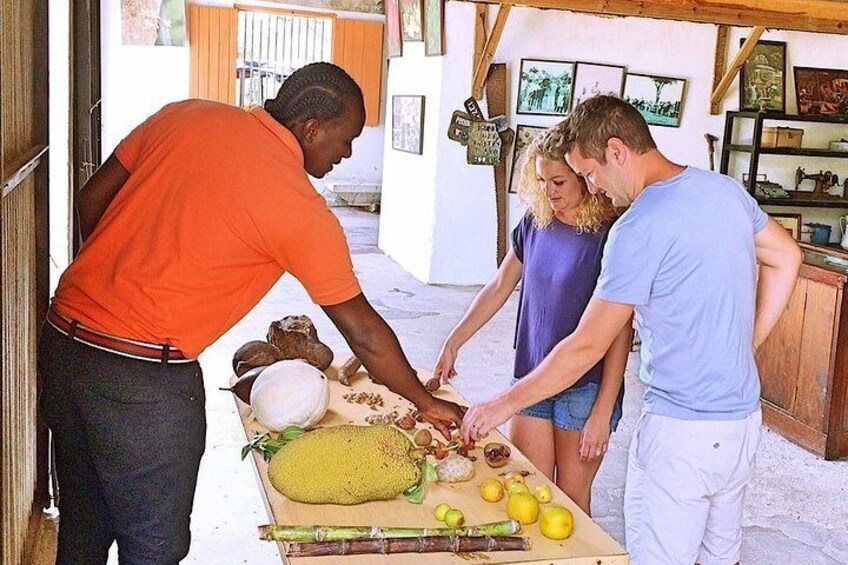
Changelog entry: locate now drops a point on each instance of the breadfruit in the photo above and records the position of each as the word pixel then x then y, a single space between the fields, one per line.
pixel 254 354
pixel 297 338
pixel 346 465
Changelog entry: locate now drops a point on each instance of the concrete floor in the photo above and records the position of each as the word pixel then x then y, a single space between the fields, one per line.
pixel 797 505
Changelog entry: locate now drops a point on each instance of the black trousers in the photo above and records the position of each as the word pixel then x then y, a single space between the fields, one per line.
pixel 129 436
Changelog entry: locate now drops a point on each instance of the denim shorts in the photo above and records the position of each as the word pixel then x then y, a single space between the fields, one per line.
pixel 570 409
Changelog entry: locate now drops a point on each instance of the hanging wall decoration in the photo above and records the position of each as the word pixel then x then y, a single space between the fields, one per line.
pixel 434 24
pixel 592 79
pixel 524 136
pixel 153 22
pixel 394 42
pixel 821 91
pixel 762 79
pixel 410 19
pixel 408 124
pixel 545 87
pixel 658 99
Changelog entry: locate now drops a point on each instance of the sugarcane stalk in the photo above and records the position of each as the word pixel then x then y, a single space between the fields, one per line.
pixel 425 544
pixel 280 532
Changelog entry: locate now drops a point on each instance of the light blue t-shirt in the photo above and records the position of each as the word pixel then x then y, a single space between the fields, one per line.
pixel 683 255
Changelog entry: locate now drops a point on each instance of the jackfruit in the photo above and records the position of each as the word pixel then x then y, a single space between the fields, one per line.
pixel 346 465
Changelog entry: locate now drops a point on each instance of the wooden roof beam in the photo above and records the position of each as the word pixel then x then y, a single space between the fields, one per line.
pixel 826 16
pixel 719 65
pixel 738 61
pixel 482 70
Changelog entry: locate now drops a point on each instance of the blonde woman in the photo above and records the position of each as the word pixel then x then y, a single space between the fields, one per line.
pixel 556 253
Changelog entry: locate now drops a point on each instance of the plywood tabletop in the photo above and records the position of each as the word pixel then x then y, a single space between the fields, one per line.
pixel 588 545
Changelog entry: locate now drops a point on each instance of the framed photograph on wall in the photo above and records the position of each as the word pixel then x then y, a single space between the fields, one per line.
pixel 410 19
pixel 790 222
pixel 593 78
pixel 524 136
pixel 658 99
pixel 545 87
pixel 434 25
pixel 408 123
pixel 394 42
pixel 821 91
pixel 762 79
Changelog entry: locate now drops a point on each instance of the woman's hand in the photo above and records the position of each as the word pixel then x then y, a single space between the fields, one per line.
pixel 482 418
pixel 445 364
pixel 594 439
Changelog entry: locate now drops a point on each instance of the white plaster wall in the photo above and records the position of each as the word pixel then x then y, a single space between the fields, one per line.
pixel 139 80
pixel 409 181
pixel 463 227
pixel 59 25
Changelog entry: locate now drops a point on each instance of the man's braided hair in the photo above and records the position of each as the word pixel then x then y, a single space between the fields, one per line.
pixel 318 90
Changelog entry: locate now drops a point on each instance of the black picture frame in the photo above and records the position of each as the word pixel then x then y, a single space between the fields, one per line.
pixel 758 80
pixel 583 70
pixel 538 98
pixel 518 147
pixel 656 112
pixel 820 91
pixel 408 123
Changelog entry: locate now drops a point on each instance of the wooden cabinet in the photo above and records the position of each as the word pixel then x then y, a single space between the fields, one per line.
pixel 804 363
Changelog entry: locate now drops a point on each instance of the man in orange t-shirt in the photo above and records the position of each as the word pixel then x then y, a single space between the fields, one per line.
pixel 187 225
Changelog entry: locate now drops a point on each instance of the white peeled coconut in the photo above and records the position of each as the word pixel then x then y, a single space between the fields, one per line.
pixel 290 393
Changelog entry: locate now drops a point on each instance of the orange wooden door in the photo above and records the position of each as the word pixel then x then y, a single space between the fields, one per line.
pixel 358 49
pixel 212 40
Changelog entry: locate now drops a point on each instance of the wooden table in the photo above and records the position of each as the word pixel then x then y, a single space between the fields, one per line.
pixel 588 545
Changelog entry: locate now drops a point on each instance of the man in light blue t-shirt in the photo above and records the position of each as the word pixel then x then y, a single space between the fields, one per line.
pixel 707 274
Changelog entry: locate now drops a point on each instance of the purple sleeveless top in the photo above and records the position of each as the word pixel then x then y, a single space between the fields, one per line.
pixel 559 270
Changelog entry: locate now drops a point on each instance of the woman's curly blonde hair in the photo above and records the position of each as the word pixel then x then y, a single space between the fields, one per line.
pixel 594 212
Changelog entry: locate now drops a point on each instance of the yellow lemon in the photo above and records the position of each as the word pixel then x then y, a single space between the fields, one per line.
pixel 440 511
pixel 513 478
pixel 517 488
pixel 454 518
pixel 523 507
pixel 491 490
pixel 543 493
pixel 556 522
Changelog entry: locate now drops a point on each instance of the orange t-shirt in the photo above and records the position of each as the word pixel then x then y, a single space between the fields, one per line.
pixel 216 208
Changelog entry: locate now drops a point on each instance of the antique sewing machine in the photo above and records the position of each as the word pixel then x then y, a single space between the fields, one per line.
pixel 823 181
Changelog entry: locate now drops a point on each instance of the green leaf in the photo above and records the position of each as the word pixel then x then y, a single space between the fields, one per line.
pixel 415 494
pixel 267 445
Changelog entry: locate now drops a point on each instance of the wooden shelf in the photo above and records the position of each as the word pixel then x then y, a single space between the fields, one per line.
pixel 806 202
pixel 801 152
pixel 826 248
pixel 817 118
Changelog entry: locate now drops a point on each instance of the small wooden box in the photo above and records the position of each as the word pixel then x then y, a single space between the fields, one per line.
pixel 774 137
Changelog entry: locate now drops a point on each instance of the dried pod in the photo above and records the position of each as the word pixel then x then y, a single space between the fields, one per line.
pixel 496 454
pixel 423 438
pixel 297 338
pixel 406 423
pixel 433 384
pixel 348 369
pixel 254 354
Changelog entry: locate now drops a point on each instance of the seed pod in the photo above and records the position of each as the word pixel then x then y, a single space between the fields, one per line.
pixel 406 423
pixel 423 437
pixel 433 384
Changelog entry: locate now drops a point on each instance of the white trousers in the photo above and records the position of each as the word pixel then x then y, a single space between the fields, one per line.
pixel 685 486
